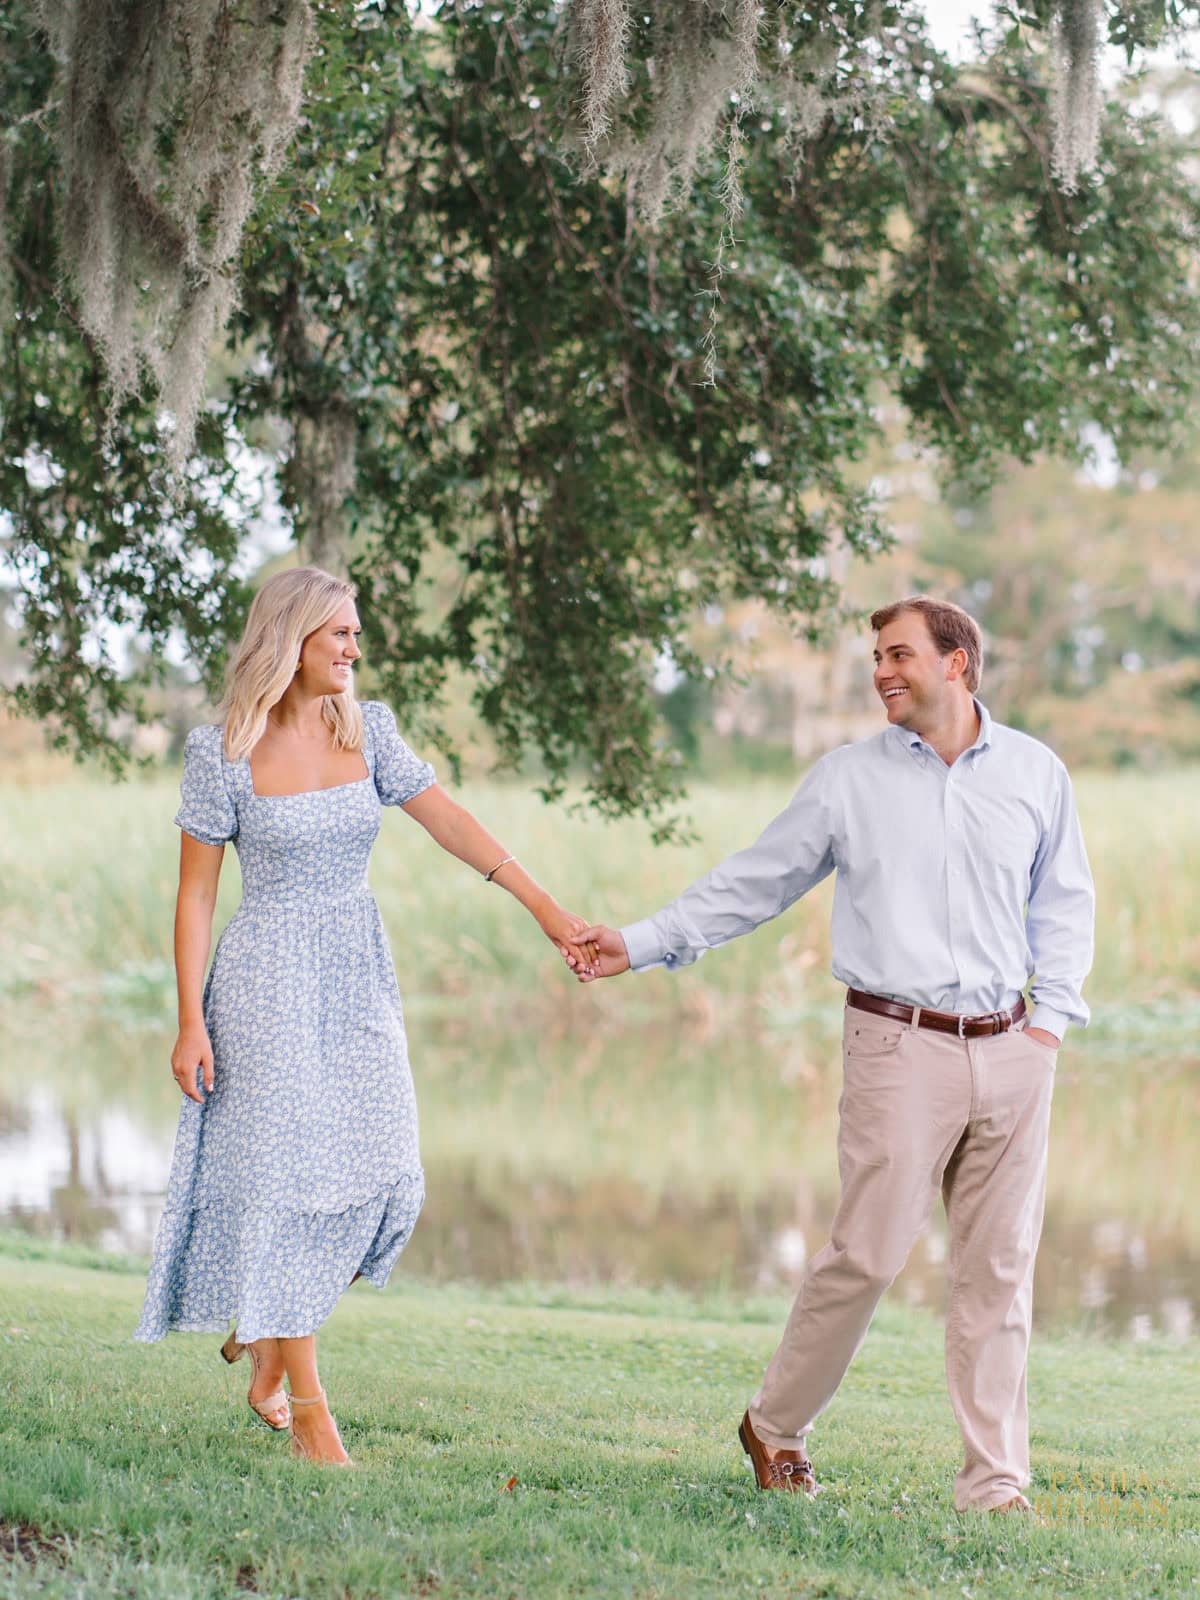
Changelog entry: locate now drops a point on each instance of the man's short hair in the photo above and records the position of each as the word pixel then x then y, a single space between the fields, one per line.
pixel 950 627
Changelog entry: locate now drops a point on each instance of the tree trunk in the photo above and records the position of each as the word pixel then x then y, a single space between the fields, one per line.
pixel 320 480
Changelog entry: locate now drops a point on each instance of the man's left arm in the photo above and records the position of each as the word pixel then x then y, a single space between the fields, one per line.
pixel 1061 916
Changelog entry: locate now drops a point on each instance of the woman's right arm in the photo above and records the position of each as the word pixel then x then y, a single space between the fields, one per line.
pixel 199 874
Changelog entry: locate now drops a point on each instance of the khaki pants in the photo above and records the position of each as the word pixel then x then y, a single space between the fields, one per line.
pixel 921 1111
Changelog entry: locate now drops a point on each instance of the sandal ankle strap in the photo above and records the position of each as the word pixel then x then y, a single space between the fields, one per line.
pixel 307 1400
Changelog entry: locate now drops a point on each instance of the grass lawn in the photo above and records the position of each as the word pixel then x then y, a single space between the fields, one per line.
pixel 127 1470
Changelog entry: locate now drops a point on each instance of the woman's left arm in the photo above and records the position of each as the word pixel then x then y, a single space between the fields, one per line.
pixel 457 831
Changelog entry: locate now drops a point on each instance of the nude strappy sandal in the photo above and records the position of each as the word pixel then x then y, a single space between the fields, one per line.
pixel 298 1448
pixel 233 1351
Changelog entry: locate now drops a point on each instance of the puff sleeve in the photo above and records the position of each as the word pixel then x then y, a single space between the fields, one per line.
pixel 400 775
pixel 207 811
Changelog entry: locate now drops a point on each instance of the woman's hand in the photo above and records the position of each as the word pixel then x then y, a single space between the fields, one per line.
pixel 192 1050
pixel 562 929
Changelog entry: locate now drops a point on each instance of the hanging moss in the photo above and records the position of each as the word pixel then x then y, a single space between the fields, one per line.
pixel 172 113
pixel 711 60
pixel 707 65
pixel 599 43
pixel 1077 98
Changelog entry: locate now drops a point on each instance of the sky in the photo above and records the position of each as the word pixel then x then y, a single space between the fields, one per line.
pixel 950 28
pixel 950 23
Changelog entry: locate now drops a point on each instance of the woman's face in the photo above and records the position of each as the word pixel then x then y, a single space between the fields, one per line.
pixel 328 653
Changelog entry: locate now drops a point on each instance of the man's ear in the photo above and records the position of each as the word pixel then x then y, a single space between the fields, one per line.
pixel 956 664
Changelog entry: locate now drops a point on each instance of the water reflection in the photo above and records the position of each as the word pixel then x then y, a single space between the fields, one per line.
pixel 581 1152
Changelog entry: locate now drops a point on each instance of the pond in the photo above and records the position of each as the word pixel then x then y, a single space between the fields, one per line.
pixel 582 1148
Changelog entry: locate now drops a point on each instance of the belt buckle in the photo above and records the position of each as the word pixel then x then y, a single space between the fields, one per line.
pixel 962 1026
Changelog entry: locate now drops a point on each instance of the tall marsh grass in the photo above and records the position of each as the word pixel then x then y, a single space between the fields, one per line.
pixel 632 1091
pixel 89 871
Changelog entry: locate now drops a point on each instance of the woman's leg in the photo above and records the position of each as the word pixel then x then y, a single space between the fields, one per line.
pixel 312 1424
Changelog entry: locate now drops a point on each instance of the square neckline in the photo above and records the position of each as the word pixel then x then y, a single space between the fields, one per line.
pixel 325 788
pixel 297 794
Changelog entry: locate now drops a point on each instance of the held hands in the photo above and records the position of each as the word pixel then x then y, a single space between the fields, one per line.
pixel 563 929
pixel 192 1050
pixel 611 957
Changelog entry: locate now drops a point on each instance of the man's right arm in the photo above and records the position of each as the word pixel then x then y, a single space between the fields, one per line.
pixel 792 854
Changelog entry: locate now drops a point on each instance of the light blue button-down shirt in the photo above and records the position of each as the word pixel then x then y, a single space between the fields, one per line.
pixel 955 885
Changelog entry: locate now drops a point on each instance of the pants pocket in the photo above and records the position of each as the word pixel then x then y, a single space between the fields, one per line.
pixel 867 1042
pixel 1049 1051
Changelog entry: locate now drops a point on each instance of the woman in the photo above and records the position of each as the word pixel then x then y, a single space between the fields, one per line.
pixel 297 1169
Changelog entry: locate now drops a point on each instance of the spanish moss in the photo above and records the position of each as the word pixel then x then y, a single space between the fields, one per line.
pixel 173 113
pixel 711 62
pixel 1076 97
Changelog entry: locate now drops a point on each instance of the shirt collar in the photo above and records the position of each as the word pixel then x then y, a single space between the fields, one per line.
pixel 983 739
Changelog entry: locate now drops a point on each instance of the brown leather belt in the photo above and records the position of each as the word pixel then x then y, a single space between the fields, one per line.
pixel 943 1021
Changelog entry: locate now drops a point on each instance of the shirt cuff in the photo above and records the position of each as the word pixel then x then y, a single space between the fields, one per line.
pixel 643 944
pixel 1055 1022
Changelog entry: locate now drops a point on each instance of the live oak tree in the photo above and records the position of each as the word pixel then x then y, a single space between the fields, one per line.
pixel 171 114
pixel 592 376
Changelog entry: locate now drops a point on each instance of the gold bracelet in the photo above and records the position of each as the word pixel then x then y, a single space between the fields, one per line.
pixel 488 876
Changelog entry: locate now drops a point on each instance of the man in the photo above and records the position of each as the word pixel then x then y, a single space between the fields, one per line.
pixel 961 873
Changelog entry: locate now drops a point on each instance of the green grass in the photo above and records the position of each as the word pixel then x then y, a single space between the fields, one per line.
pixel 145 1474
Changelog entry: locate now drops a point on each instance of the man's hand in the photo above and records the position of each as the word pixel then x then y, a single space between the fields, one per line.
pixel 1043 1036
pixel 611 955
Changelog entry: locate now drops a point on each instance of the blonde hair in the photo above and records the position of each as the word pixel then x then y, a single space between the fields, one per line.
pixel 283 613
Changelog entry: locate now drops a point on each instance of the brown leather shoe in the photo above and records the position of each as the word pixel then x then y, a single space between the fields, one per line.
pixel 789 1470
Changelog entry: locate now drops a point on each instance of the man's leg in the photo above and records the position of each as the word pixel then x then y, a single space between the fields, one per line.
pixel 905 1101
pixel 995 1189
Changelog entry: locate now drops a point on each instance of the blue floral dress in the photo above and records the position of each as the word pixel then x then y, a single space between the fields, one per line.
pixel 302 1166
